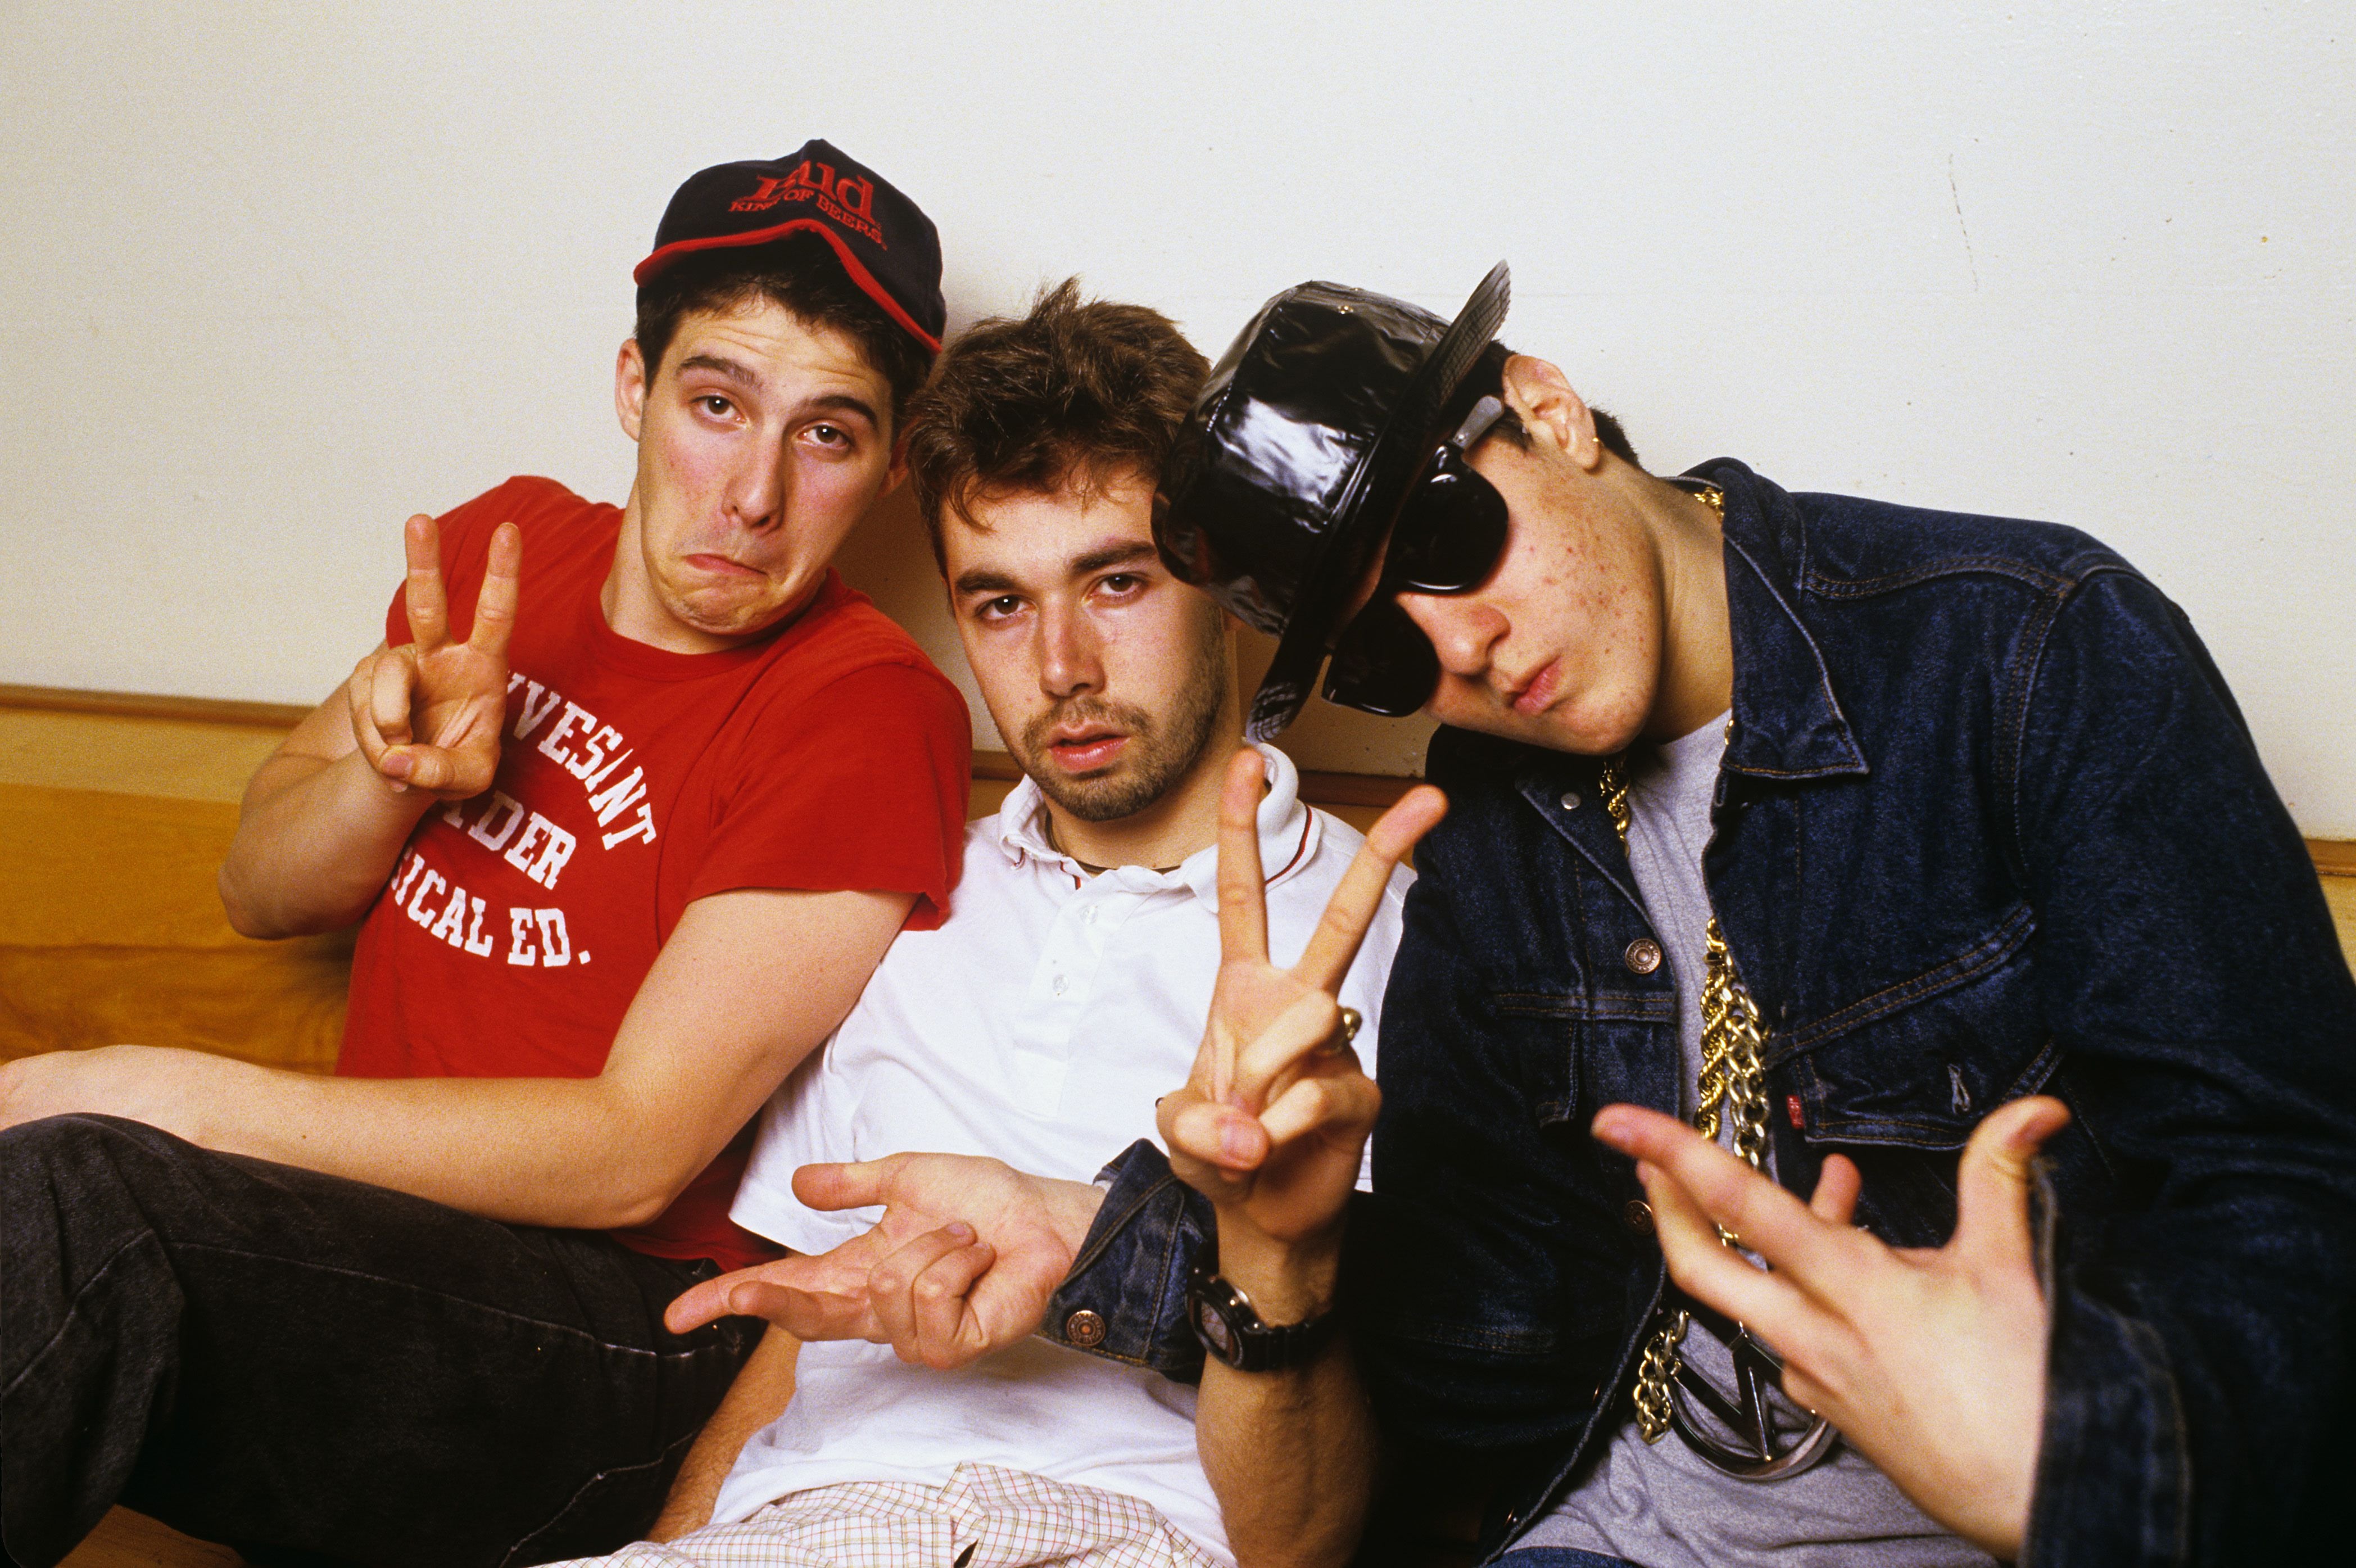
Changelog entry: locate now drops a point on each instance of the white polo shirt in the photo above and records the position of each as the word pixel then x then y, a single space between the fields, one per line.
pixel 1038 1024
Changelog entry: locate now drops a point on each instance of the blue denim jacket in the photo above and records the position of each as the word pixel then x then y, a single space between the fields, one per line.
pixel 1989 823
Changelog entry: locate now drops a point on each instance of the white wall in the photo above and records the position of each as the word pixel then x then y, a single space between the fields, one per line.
pixel 272 276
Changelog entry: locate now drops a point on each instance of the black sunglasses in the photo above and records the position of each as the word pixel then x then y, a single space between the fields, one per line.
pixel 1450 532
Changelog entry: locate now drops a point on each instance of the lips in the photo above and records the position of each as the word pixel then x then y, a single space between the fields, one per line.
pixel 1536 694
pixel 722 567
pixel 1085 750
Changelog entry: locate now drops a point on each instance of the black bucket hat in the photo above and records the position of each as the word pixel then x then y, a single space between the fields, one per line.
pixel 1288 471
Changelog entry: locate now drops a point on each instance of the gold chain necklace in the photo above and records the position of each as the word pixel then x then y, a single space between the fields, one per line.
pixel 1732 1090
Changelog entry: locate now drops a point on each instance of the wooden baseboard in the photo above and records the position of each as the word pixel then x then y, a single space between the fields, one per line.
pixel 2333 857
pixel 149 705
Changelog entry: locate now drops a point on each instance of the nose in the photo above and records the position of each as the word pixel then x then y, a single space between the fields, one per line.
pixel 757 491
pixel 1464 629
pixel 1070 652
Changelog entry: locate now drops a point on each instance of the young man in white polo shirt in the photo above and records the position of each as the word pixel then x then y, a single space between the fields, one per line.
pixel 1037 1027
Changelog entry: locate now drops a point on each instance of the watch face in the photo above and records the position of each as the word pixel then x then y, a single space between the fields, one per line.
pixel 1214 1329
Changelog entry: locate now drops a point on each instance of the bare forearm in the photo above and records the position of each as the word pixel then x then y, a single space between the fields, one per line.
pixel 315 840
pixel 757 1397
pixel 715 1026
pixel 1290 1454
pixel 565 1151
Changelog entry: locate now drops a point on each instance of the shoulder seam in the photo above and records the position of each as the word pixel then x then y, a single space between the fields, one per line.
pixel 1817 583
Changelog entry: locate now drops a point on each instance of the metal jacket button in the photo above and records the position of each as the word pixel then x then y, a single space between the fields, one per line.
pixel 1639 1216
pixel 1085 1330
pixel 1571 800
pixel 1644 956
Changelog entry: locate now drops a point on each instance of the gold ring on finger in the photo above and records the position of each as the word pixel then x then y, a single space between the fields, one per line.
pixel 1352 1020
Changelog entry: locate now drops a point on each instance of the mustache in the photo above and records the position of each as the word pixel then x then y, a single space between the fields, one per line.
pixel 1076 712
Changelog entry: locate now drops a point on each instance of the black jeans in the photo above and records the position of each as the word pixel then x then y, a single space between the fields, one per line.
pixel 320 1371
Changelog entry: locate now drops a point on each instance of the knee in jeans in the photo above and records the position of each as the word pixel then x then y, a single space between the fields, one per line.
pixel 77 1152
pixel 73 1135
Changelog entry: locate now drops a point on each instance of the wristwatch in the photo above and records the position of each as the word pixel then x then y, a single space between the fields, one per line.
pixel 1224 1320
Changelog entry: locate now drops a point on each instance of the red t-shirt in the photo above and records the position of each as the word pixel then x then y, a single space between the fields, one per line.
pixel 632 781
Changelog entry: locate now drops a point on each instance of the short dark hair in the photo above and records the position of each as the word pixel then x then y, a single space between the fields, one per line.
pixel 802 274
pixel 1487 378
pixel 1075 393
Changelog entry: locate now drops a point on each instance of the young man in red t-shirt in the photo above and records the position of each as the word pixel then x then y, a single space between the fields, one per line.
pixel 628 805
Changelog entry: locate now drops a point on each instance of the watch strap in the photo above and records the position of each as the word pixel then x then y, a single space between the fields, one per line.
pixel 1228 1325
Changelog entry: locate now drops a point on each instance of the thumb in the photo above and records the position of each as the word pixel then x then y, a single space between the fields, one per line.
pixel 1992 1184
pixel 855 1184
pixel 426 767
pixel 700 1303
pixel 1218 1135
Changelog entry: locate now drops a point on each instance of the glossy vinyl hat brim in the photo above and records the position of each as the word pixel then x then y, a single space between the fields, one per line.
pixel 1370 500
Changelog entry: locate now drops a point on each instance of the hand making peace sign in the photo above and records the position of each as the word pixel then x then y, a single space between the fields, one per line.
pixel 428 715
pixel 1272 1121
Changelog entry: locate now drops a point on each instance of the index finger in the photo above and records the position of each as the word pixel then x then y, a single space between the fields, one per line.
pixel 1243 894
pixel 708 1300
pixel 495 605
pixel 1359 893
pixel 1808 1251
pixel 422 600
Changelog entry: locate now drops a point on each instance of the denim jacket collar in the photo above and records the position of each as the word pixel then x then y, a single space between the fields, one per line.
pixel 1788 722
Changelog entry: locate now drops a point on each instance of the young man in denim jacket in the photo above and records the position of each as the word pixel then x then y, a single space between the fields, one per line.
pixel 2004 950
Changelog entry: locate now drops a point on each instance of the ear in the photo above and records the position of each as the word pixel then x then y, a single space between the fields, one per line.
pixel 896 473
pixel 1553 413
pixel 630 388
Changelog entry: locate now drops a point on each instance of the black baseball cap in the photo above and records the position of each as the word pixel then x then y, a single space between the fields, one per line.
pixel 1298 454
pixel 887 246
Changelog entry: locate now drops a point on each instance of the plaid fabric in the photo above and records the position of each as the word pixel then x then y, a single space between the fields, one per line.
pixel 986 1517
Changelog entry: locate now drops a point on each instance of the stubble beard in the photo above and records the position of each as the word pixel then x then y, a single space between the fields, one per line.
pixel 1161 753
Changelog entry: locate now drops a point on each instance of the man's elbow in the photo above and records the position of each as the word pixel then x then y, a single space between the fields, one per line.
pixel 632 1199
pixel 626 1212
pixel 246 917
pixel 252 914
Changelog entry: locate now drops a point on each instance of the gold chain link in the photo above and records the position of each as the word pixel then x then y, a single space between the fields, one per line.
pixel 1733 1043
pixel 1658 1365
pixel 1732 1084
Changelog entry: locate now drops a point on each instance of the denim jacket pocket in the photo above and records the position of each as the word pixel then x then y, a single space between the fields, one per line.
pixel 1539 1034
pixel 1898 1080
pixel 1918 1063
pixel 1542 1032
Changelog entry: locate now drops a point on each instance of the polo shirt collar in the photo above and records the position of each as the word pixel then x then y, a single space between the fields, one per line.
pixel 1289 835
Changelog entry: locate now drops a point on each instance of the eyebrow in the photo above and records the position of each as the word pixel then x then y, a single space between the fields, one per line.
pixel 1112 555
pixel 721 365
pixel 980 580
pixel 745 375
pixel 842 403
